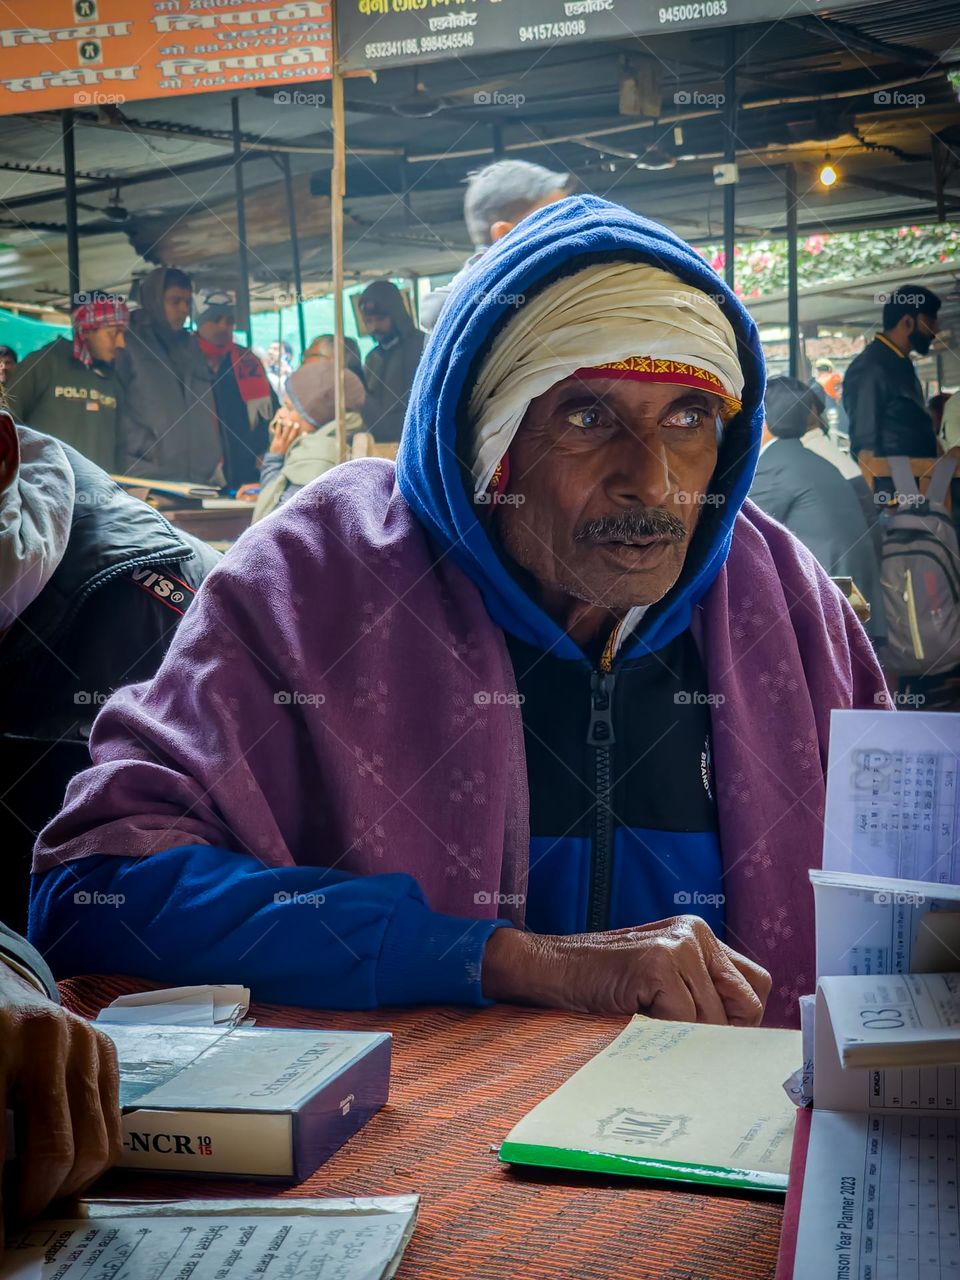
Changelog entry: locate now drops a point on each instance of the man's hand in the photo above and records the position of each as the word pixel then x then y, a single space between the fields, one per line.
pixel 59 1075
pixel 674 969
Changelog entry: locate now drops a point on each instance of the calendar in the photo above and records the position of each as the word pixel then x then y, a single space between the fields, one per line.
pixel 892 795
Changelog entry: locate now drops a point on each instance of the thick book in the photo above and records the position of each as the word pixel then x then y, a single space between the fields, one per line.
pixel 347 1239
pixel 248 1101
pixel 667 1100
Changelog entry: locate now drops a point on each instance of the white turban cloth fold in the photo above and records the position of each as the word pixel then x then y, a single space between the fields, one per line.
pixel 606 312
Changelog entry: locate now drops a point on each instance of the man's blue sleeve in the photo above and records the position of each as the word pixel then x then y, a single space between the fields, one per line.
pixel 294 935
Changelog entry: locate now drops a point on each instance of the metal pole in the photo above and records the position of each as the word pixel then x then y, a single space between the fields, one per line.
pixel 337 192
pixel 243 293
pixel 793 298
pixel 70 193
pixel 730 156
pixel 294 250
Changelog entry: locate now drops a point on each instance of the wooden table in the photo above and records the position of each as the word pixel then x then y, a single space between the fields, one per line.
pixel 461 1079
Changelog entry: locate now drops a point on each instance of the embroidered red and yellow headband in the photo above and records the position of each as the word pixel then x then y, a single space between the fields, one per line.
pixel 674 372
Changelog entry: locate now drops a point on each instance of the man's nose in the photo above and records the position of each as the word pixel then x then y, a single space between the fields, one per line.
pixel 641 475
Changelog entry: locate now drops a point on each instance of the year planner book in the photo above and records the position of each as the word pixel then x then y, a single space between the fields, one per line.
pixel 250 1101
pixel 877 1194
pixel 677 1100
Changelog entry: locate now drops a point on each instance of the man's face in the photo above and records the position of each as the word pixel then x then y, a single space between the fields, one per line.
pixel 612 474
pixel 103 344
pixel 379 325
pixel 925 329
pixel 176 305
pixel 8 362
pixel 218 331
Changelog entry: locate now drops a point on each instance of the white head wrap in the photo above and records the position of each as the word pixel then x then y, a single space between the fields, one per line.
pixel 606 312
pixel 36 511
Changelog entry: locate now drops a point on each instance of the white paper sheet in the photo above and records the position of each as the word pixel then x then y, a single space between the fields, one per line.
pixel 352 1244
pixel 893 795
pixel 221 1004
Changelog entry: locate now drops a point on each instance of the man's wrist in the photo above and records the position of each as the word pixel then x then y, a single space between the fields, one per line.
pixel 522 967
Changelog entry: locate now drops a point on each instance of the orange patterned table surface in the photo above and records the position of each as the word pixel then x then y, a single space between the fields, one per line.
pixel 461 1079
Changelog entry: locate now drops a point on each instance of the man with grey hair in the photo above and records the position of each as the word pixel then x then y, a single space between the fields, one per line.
pixel 498 197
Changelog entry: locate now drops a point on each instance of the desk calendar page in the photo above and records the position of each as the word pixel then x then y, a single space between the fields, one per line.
pixel 892 795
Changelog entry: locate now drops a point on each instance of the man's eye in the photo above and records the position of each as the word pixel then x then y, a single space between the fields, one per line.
pixel 688 418
pixel 586 419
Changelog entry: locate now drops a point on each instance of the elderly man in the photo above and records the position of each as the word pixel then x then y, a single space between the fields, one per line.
pixel 507 722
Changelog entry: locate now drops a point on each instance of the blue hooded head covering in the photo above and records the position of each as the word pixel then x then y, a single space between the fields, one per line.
pixel 556 240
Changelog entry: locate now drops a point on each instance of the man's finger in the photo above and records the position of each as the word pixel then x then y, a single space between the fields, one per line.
pixel 707 999
pixel 673 1001
pixel 91 1141
pixel 47 1157
pixel 755 974
pixel 744 1007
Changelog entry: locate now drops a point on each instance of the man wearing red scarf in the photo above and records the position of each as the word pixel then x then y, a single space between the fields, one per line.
pixel 245 401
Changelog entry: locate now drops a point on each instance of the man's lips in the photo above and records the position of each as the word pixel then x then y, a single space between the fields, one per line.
pixel 651 541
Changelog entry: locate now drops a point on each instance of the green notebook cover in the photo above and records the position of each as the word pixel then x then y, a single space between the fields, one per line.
pixel 672 1100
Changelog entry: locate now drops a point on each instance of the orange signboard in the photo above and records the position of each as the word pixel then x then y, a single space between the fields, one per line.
pixel 92 53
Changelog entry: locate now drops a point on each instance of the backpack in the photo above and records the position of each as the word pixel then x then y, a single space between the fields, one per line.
pixel 920 572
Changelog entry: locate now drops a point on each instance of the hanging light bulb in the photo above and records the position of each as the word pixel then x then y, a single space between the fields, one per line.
pixel 828 175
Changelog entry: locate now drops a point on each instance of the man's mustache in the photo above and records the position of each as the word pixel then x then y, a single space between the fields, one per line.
pixel 631 526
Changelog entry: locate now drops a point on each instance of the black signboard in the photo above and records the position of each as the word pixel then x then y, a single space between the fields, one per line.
pixel 386 33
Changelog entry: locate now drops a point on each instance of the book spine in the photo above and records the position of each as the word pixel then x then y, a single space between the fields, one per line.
pixel 339 1110
pixel 247 1143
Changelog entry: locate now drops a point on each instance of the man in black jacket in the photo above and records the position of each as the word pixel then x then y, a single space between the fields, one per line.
pixel 93 584
pixel 881 391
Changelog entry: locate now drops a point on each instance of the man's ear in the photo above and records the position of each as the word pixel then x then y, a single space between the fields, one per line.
pixel 500 229
pixel 9 450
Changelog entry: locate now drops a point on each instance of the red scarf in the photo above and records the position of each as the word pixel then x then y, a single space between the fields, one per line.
pixel 249 372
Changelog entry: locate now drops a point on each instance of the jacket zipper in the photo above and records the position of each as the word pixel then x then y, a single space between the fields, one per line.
pixel 600 736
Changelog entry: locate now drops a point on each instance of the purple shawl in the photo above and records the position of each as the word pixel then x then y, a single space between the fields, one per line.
pixel 338 695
